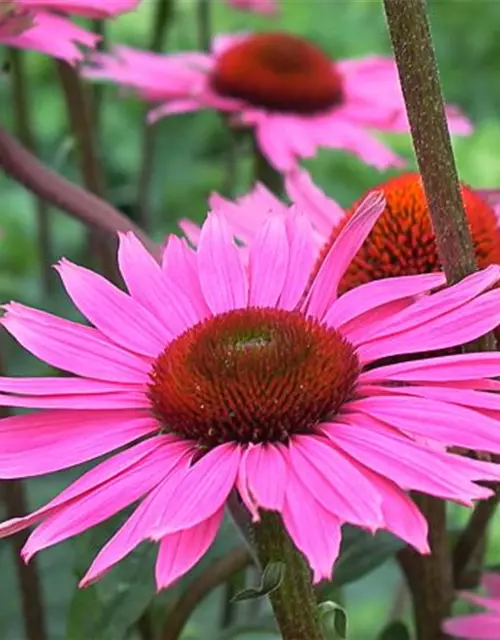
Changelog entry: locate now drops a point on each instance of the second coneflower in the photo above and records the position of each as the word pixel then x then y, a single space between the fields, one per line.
pixel 285 88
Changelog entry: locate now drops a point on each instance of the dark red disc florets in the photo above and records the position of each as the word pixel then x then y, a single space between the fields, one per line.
pixel 252 375
pixel 278 71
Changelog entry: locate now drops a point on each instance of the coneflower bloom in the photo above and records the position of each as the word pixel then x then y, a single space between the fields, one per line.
pixel 401 242
pixel 209 376
pixel 479 626
pixel 283 87
pixel 36 25
pixel 267 7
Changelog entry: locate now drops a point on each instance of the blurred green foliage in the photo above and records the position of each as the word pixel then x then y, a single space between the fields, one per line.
pixel 191 162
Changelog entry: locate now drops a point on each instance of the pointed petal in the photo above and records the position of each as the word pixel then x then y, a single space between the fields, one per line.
pixel 313 529
pixel 263 471
pixel 72 347
pixel 184 505
pixel 107 498
pixel 477 626
pixel 31 445
pixel 180 551
pixel 268 263
pixel 222 276
pixel 64 386
pixel 118 316
pixel 324 288
pixel 336 481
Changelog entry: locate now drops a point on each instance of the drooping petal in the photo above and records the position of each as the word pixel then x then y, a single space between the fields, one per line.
pixel 491 582
pixel 268 263
pixel 180 551
pixel 184 505
pixel 114 400
pixel 73 347
pixel 408 464
pixel 64 386
pixel 324 288
pixel 107 498
pixel 428 418
pixel 263 472
pixel 354 304
pixel 336 481
pixel 222 276
pixel 464 366
pixel 314 530
pixel 31 445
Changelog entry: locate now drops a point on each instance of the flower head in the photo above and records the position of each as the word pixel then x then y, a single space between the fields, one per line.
pixel 283 87
pixel 36 25
pixel 479 626
pixel 251 378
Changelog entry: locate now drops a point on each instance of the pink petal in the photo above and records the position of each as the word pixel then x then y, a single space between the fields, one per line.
pixel 313 529
pixel 409 464
pixel 324 288
pixel 39 443
pixel 184 505
pixel 64 386
pixel 72 347
pixel 268 263
pixel 222 276
pixel 179 551
pixel 337 483
pixel 302 255
pixel 147 284
pixel 491 582
pixel 115 400
pixel 106 498
pixel 324 213
pixel 479 626
pixel 135 530
pixel 357 302
pixel 465 366
pixel 100 474
pixel 263 473
pixel 453 425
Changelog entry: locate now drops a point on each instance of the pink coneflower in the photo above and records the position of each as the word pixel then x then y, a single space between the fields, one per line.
pixel 479 626
pixel 266 7
pixel 401 242
pixel 283 87
pixel 32 25
pixel 251 379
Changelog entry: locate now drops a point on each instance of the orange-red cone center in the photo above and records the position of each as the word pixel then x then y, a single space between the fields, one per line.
pixel 251 375
pixel 280 72
pixel 402 241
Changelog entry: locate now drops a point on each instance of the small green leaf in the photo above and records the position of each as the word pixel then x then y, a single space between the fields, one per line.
pixel 395 631
pixel 333 619
pixel 271 579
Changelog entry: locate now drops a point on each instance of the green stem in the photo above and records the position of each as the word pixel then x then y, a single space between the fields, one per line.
pixel 265 173
pixel 293 602
pixel 23 124
pixel 162 18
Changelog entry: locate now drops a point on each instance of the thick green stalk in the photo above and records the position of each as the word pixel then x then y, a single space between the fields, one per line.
pixel 294 602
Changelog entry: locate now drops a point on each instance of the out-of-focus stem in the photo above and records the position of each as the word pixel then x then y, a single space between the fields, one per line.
pixel 22 166
pixel 204 21
pixel 162 18
pixel 430 577
pixel 14 498
pixel 80 116
pixel 98 88
pixel 265 173
pixel 23 123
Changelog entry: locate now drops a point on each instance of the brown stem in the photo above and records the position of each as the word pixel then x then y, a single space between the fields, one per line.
pixel 214 575
pixel 14 498
pixel 162 18
pixel 98 88
pixel 21 165
pixel 23 124
pixel 430 577
pixel 294 601
pixel 471 539
pixel 80 116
